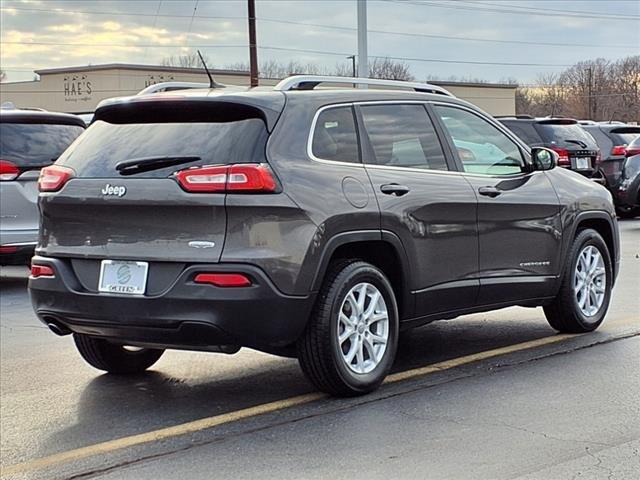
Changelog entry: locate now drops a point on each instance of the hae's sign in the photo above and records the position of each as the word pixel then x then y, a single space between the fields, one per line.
pixel 77 88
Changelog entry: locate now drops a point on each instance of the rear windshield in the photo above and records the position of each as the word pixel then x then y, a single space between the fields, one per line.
pixel 29 145
pixel 572 136
pixel 624 138
pixel 105 145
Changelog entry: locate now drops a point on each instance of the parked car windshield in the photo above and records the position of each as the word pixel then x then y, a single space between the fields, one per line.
pixel 566 135
pixel 35 145
pixel 105 145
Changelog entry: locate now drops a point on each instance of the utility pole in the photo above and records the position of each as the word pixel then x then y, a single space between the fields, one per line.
pixel 253 47
pixel 363 56
pixel 590 92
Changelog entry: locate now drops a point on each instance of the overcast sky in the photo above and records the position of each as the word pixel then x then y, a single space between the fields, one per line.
pixel 98 32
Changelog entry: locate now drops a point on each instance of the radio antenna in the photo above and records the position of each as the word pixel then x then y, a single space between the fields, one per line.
pixel 212 82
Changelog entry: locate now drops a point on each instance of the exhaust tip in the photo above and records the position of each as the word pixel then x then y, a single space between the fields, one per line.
pixel 57 328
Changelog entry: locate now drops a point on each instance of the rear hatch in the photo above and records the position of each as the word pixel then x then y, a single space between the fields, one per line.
pixel 576 148
pixel 26 147
pixel 123 200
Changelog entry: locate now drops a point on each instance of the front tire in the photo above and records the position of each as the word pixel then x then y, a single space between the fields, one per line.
pixel 585 292
pixel 350 342
pixel 113 358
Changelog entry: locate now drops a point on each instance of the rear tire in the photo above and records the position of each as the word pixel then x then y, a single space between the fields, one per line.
pixel 585 292
pixel 113 358
pixel 350 342
pixel 628 212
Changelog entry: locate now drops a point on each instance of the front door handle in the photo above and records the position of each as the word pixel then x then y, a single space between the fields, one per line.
pixel 489 191
pixel 394 189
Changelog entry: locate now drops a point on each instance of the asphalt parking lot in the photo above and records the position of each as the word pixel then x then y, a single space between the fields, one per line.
pixel 494 395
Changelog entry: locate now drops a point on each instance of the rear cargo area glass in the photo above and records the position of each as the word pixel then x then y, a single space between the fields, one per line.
pixel 105 145
pixel 559 134
pixel 29 145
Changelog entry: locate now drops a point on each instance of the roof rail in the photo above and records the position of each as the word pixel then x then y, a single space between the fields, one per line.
pixel 309 82
pixel 170 86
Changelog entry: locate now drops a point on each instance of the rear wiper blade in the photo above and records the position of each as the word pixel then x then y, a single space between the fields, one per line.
pixel 146 164
pixel 577 142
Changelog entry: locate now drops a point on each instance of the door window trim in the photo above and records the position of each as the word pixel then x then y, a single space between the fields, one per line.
pixel 524 151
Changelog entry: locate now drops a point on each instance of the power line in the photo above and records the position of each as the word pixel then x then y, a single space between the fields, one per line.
pixel 570 12
pixel 478 8
pixel 336 27
pixel 446 37
pixel 299 50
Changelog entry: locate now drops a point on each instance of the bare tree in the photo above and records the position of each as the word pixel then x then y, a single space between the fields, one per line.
pixel 595 89
pixel 275 69
pixel 390 69
pixel 189 60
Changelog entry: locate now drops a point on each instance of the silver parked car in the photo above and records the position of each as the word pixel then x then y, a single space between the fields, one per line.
pixel 29 140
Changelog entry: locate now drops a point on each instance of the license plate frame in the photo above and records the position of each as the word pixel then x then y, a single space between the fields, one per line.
pixel 582 163
pixel 123 277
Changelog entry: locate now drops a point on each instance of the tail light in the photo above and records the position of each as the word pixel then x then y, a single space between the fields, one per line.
pixel 8 249
pixel 8 171
pixel 619 150
pixel 240 178
pixel 630 152
pixel 53 178
pixel 224 280
pixel 41 271
pixel 563 156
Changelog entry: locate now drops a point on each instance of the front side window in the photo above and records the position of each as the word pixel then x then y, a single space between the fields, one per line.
pixel 334 136
pixel 403 136
pixel 482 148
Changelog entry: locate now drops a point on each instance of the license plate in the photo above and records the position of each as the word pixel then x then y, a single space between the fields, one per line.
pixel 583 163
pixel 129 278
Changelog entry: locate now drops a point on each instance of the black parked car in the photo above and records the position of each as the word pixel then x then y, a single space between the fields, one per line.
pixel 627 191
pixel 613 140
pixel 576 149
pixel 309 223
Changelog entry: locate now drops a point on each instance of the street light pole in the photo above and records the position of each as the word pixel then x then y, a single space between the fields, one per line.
pixel 353 64
pixel 363 56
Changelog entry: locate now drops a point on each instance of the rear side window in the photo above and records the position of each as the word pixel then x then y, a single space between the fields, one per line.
pixel 105 145
pixel 525 131
pixel 29 145
pixel 334 136
pixel 403 136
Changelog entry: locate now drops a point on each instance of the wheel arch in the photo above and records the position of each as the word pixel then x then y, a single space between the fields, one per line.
pixel 380 248
pixel 602 223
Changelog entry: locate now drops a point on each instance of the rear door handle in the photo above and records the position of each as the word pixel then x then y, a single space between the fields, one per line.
pixel 394 189
pixel 489 191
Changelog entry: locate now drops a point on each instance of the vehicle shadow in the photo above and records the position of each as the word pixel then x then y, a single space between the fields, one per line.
pixel 111 407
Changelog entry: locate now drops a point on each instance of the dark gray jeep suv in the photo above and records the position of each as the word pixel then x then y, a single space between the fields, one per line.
pixel 309 223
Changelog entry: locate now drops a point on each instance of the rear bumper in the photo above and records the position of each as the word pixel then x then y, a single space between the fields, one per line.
pixel 17 246
pixel 186 315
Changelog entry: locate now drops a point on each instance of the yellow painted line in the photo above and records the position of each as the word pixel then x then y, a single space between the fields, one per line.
pixel 214 421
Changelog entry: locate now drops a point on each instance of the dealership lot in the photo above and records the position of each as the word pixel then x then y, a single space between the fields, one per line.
pixel 484 409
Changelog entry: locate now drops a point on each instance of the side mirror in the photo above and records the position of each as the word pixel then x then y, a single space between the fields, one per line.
pixel 543 158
